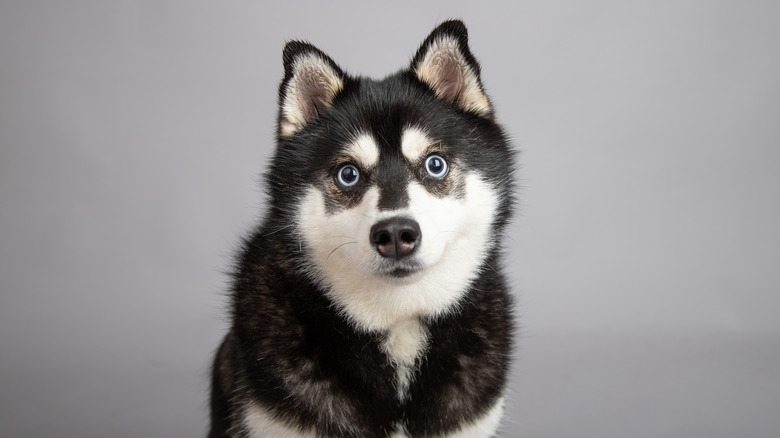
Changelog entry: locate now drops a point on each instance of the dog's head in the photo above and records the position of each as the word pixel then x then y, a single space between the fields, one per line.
pixel 397 189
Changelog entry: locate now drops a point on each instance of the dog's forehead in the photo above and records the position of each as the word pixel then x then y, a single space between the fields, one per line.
pixel 366 151
pixel 390 125
pixel 382 115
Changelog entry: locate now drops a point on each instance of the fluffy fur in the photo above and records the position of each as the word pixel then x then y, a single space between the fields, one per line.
pixel 370 301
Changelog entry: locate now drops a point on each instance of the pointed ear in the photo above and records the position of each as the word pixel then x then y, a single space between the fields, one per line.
pixel 445 63
pixel 311 82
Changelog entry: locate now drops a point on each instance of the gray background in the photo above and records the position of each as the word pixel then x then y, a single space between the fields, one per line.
pixel 645 255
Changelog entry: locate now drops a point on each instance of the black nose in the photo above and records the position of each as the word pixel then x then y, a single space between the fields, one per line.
pixel 395 238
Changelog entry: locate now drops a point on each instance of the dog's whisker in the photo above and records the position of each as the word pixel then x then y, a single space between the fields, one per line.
pixel 277 230
pixel 341 237
pixel 359 213
pixel 336 248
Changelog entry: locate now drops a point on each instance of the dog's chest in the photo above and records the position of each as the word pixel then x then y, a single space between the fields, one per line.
pixel 404 343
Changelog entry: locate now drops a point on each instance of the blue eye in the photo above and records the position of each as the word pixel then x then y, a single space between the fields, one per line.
pixel 347 176
pixel 436 166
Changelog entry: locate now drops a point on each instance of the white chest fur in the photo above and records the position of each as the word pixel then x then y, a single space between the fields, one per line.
pixel 404 344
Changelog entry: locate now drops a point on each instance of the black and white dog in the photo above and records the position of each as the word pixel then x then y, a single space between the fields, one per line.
pixel 370 301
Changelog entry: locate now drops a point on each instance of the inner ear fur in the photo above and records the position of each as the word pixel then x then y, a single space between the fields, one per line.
pixel 445 63
pixel 311 82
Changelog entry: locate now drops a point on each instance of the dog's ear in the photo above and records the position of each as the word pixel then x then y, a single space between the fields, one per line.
pixel 445 63
pixel 311 82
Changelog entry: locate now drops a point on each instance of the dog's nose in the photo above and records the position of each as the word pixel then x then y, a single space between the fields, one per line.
pixel 395 238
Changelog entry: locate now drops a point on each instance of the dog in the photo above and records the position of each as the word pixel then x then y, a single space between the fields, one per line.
pixel 370 300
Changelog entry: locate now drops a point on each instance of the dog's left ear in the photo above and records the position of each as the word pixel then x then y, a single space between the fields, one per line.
pixel 445 63
pixel 311 82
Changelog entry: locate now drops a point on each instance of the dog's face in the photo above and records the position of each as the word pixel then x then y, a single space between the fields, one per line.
pixel 397 182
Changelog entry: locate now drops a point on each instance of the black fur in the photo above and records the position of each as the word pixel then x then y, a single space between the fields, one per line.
pixel 286 331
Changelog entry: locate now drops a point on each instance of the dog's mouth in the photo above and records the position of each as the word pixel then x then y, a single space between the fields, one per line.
pixel 399 270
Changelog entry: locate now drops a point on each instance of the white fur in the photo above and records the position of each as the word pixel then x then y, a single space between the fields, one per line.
pixel 404 343
pixel 364 150
pixel 443 66
pixel 414 143
pixel 259 423
pixel 455 238
pixel 484 427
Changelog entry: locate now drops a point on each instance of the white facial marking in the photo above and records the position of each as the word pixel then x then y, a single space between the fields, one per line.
pixel 455 239
pixel 404 343
pixel 364 150
pixel 414 143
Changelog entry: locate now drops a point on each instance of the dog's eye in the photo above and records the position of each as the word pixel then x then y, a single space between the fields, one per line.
pixel 436 166
pixel 347 176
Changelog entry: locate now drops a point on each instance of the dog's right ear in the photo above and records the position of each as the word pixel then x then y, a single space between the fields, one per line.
pixel 311 82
